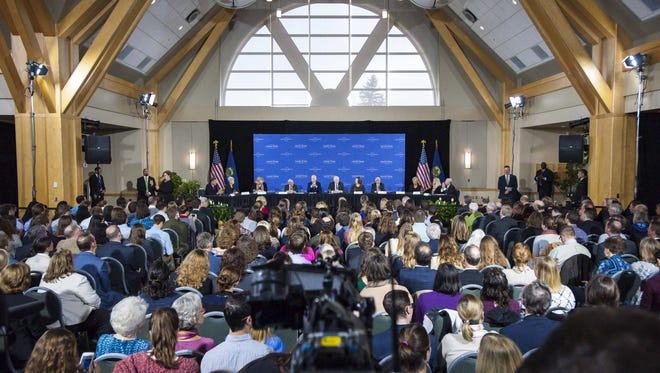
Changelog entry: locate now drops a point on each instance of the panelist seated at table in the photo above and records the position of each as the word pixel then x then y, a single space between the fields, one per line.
pixel 449 189
pixel 336 186
pixel 314 186
pixel 231 187
pixel 290 187
pixel 437 186
pixel 416 185
pixel 377 186
pixel 357 186
pixel 213 188
pixel 259 185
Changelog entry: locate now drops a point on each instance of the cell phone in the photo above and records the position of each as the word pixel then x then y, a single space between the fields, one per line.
pixel 86 360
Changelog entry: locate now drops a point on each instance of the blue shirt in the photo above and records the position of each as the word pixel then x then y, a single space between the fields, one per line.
pixel 107 344
pixel 612 265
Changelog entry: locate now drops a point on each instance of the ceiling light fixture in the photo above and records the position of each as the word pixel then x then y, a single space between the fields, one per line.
pixel 278 13
pixel 431 4
pixel 384 14
pixel 235 4
pixel 467 13
pixel 517 101
pixel 35 68
pixel 635 61
pixel 482 28
pixel 148 99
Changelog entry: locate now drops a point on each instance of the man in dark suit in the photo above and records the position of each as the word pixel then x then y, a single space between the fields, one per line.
pixel 213 188
pixel 290 187
pixel 96 186
pixel 314 186
pixel 135 274
pixel 614 228
pixel 146 186
pixel 449 189
pixel 587 222
pixel 336 186
pixel 377 186
pixel 420 277
pixel 544 178
pixel 532 330
pixel 503 224
pixel 581 189
pixel 491 215
pixel 89 262
pixel 508 185
pixel 471 274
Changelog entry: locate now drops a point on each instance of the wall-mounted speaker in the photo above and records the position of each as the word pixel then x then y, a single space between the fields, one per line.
pixel 97 149
pixel 571 148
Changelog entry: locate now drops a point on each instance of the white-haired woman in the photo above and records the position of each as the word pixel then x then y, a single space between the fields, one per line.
pixel 191 315
pixel 127 318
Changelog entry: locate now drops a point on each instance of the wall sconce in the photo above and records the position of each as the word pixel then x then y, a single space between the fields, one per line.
pixel 468 159
pixel 193 160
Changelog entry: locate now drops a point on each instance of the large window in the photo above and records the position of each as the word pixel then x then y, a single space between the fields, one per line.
pixel 326 55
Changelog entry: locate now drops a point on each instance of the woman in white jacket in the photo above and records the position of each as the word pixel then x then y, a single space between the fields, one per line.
pixel 79 300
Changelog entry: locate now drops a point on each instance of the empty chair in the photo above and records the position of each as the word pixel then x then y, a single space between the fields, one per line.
pixel 117 275
pixel 466 363
pixel 473 289
pixel 52 312
pixel 106 362
pixel 214 326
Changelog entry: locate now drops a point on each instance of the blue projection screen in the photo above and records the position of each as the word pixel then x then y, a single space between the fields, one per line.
pixel 279 157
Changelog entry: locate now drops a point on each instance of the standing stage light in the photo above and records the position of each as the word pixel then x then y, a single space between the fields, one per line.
pixel 147 100
pixel 637 62
pixel 34 69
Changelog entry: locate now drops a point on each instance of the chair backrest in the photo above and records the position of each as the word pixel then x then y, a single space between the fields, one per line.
pixel 491 266
pixel 141 254
pixel 380 323
pixel 156 248
pixel 489 227
pixel 207 222
pixel 52 312
pixel 466 363
pixel 529 241
pixel 191 354
pixel 386 363
pixel 557 313
pixel 530 352
pixel 174 237
pixel 185 289
pixel 628 282
pixel 473 289
pixel 593 237
pixel 199 228
pixel 511 237
pixel 517 289
pixel 106 362
pixel 143 333
pixel 117 275
pixel 630 258
pixel 35 278
pixel 477 223
pixel 214 326
pixel 214 281
pixel 89 276
pixel 353 256
pixel 576 270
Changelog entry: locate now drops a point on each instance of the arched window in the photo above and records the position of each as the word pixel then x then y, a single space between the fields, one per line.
pixel 329 54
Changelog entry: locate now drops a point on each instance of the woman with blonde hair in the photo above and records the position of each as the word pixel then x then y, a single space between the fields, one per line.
pixel 56 351
pixel 266 337
pixel 491 253
pixel 396 244
pixel 408 256
pixel 646 267
pixel 355 227
pixel 459 230
pixel 448 252
pixel 521 273
pixel 193 272
pixel 471 312
pixel 498 354
pixel 546 271
pixel 162 358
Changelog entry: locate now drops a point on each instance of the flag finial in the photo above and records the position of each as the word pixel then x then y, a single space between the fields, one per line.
pixel 215 143
pixel 423 143
pixel 231 145
pixel 436 143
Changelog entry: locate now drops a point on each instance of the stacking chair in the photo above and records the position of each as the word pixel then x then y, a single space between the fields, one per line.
pixel 106 362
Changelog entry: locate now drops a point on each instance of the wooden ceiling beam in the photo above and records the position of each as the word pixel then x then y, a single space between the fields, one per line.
pixel 120 86
pixel 91 26
pixel 200 58
pixel 40 17
pixel 567 49
pixel 19 14
pixel 80 16
pixel 10 74
pixel 181 52
pixel 493 107
pixel 469 43
pixel 103 51
pixel 589 19
pixel 540 87
pixel 9 20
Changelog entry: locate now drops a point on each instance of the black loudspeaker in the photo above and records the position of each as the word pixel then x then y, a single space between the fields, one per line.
pixel 571 148
pixel 97 149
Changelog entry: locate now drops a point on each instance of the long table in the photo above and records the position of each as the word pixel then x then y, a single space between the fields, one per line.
pixel 246 200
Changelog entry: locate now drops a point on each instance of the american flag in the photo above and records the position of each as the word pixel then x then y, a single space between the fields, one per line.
pixel 216 167
pixel 423 171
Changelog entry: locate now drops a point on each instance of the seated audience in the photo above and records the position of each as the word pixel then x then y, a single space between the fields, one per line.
pixel 228 278
pixel 547 236
pixel 535 327
pixel 421 276
pixel 491 253
pixel 80 303
pixel 42 248
pixel 445 292
pixel 520 273
pixel 602 290
pixel 414 349
pixel 471 274
pixel 266 337
pixel 159 291
pixel 55 351
pixel 127 318
pixel 498 354
pixel 193 272
pixel 646 267
pixel 398 304
pixel 239 348
pixel 613 263
pixel 599 333
pixel 471 312
pixel 546 270
pixel 379 278
pixel 448 252
pixel 191 315
pixel 499 309
pixel 651 291
pixel 162 358
pixel 92 264
pixel 569 249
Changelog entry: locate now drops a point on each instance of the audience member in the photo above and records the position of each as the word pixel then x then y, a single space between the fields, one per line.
pixel 471 275
pixel 471 312
pixel 420 277
pixel 445 292
pixel 414 348
pixel 602 290
pixel 399 305
pixel 498 354
pixel 193 272
pixel 159 291
pixel 227 280
pixel 191 315
pixel 42 248
pixel 500 310
pixel 520 273
pixel 569 249
pixel 491 253
pixel 614 247
pixel 87 261
pixel 379 278
pixel 127 318
pixel 646 267
pixel 55 351
pixel 546 270
pixel 651 291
